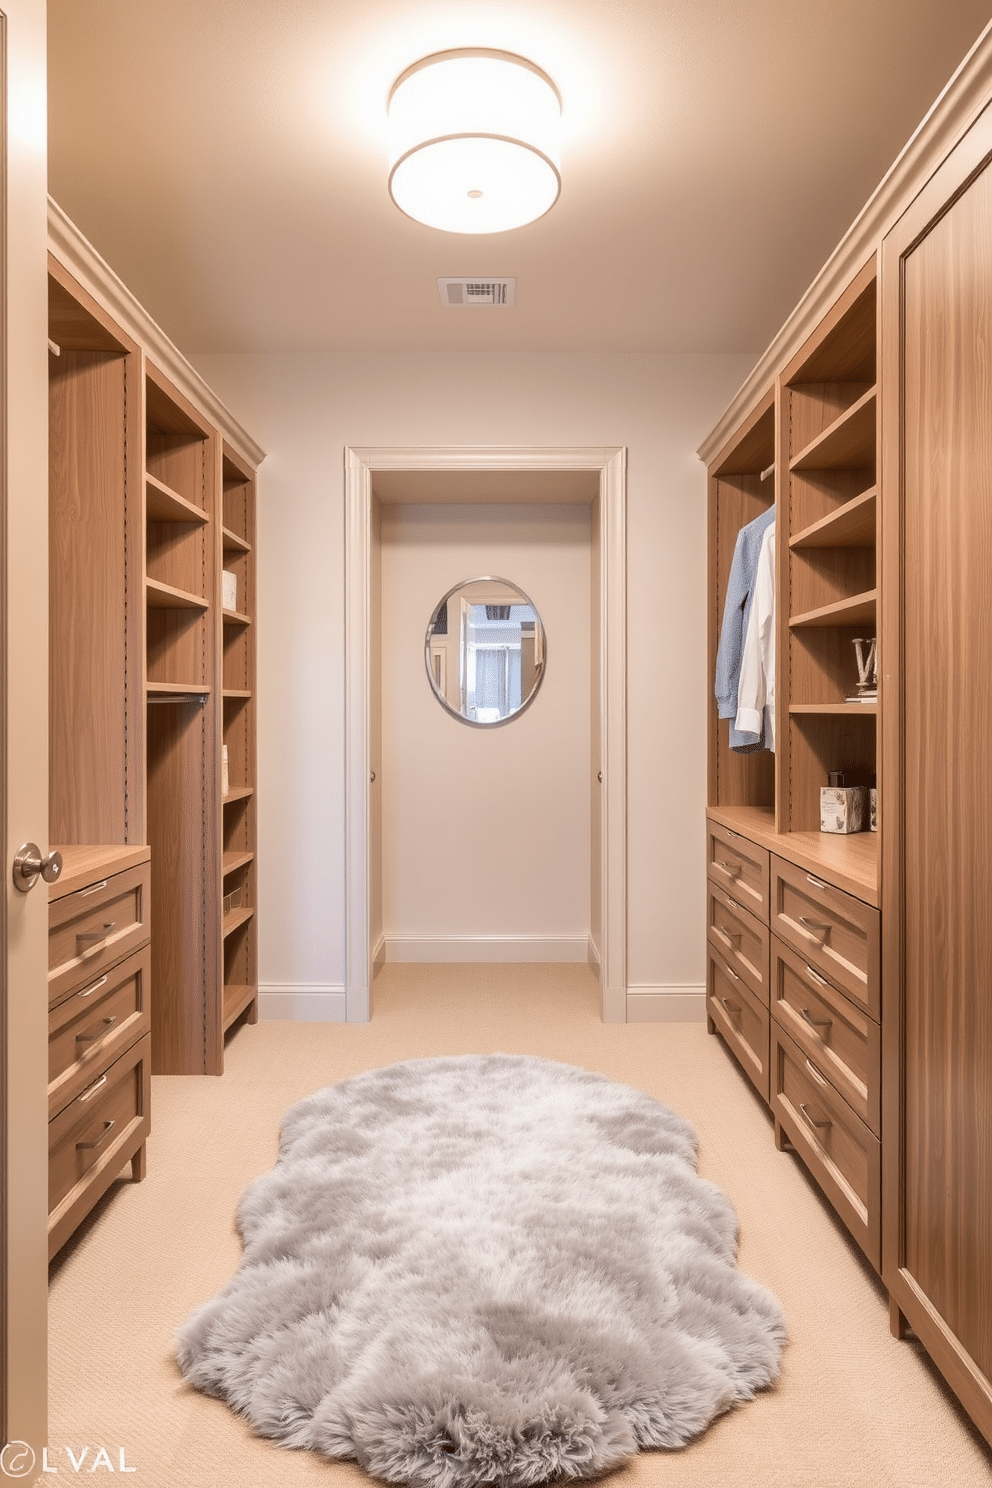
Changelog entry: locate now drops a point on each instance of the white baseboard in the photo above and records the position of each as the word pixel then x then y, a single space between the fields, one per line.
pixel 493 948
pixel 666 1004
pixel 301 1002
pixel 593 960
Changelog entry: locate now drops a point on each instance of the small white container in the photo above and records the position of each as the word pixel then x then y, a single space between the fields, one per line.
pixel 842 808
pixel 224 782
pixel 229 589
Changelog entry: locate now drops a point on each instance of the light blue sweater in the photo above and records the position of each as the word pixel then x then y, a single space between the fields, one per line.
pixel 736 610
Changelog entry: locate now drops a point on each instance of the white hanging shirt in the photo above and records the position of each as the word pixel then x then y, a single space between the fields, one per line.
pixel 756 688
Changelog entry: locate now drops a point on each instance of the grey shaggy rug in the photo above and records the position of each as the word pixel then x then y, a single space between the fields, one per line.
pixel 484 1270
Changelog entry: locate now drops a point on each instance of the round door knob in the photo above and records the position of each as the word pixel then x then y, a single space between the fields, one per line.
pixel 30 864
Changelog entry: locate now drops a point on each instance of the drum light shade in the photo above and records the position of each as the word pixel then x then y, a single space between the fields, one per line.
pixel 474 141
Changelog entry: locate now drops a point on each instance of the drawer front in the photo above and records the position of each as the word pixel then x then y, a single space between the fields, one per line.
pixel 740 939
pixel 91 929
pixel 94 1136
pixel 89 1029
pixel 739 866
pixel 741 1018
pixel 839 1037
pixel 834 932
pixel 836 1145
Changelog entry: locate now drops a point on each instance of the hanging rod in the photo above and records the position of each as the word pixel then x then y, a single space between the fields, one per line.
pixel 770 471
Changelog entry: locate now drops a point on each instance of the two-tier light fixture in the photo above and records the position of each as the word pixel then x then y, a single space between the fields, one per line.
pixel 474 141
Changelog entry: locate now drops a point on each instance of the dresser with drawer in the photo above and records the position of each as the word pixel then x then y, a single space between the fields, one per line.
pixel 99 1038
pixel 794 989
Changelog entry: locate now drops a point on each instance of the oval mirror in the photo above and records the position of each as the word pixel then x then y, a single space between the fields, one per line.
pixel 485 651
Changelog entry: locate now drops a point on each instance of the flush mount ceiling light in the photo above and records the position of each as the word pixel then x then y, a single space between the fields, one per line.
pixel 474 141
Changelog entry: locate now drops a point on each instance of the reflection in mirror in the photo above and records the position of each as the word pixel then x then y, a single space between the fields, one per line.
pixel 485 651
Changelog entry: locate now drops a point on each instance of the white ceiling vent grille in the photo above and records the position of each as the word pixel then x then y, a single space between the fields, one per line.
pixel 464 294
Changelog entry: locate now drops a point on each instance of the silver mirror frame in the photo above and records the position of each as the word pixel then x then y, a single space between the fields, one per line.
pixel 443 701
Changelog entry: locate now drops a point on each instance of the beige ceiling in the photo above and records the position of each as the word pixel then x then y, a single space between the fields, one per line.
pixel 227 157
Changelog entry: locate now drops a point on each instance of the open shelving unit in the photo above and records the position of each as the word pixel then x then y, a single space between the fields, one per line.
pixel 237 668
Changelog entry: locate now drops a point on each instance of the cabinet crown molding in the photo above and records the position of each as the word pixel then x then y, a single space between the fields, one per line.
pixel 77 254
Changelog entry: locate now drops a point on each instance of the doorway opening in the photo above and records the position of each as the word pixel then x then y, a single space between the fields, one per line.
pixel 378 478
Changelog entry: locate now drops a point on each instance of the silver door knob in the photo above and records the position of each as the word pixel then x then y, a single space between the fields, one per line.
pixel 29 865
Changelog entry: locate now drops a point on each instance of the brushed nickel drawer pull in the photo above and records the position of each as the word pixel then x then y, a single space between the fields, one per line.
pixel 732 1007
pixel 731 833
pixel 816 882
pixel 93 937
pixel 91 1092
pixel 108 1127
pixel 734 869
pixel 88 1038
pixel 811 1120
pixel 731 973
pixel 811 927
pixel 816 1073
pixel 733 903
pixel 88 991
pixel 820 981
pixel 816 1023
pixel 730 932
pixel 93 888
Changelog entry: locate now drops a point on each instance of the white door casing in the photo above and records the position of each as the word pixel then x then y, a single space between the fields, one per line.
pixel 610 465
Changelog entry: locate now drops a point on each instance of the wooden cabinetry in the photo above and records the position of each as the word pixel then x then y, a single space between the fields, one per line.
pixel 152 492
pixel 99 1041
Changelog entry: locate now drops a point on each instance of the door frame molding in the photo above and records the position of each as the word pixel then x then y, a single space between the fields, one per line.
pixel 610 463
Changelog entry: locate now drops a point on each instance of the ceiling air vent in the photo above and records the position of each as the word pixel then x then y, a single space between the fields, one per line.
pixel 463 294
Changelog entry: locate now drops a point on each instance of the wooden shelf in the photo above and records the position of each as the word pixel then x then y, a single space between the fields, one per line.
pixel 848 444
pixel 175 689
pixel 162 504
pixel 241 694
pixel 850 526
pixel 860 609
pixel 235 860
pixel 238 793
pixel 235 617
pixel 235 920
pixel 237 996
pixel 161 596
pixel 233 543
pixel 832 709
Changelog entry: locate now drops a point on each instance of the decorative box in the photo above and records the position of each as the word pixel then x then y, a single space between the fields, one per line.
pixel 843 808
pixel 229 589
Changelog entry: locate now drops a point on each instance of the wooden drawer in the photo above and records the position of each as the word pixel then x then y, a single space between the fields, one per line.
pixel 93 1137
pixel 89 1029
pixel 739 866
pixel 740 939
pixel 90 930
pixel 841 1153
pixel 743 1020
pixel 834 932
pixel 839 1037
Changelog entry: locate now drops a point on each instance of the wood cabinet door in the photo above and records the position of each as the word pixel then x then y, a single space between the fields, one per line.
pixel 936 650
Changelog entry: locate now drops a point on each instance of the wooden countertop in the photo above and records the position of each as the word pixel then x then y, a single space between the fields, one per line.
pixel 850 862
pixel 86 864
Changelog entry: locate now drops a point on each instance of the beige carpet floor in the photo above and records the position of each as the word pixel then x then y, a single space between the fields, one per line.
pixel 853 1408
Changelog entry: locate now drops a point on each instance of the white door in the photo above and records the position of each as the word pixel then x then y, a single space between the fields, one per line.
pixel 23 735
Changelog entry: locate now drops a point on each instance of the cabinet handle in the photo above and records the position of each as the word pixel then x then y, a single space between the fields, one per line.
pixel 108 1127
pixel 815 975
pixel 730 833
pixel 732 1007
pixel 816 1023
pixel 812 926
pixel 88 1038
pixel 811 1120
pixel 93 937
pixel 815 1073
pixel 729 932
pixel 734 869
pixel 816 882
pixel 733 903
pixel 88 991
pixel 731 973
pixel 88 1095
pixel 93 888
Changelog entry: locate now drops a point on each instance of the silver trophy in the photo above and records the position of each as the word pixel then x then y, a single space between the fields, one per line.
pixel 866 651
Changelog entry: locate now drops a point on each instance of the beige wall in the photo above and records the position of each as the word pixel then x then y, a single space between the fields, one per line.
pixel 485 832
pixel 305 408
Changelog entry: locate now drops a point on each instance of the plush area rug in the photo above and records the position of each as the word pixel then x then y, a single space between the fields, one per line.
pixel 484 1270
